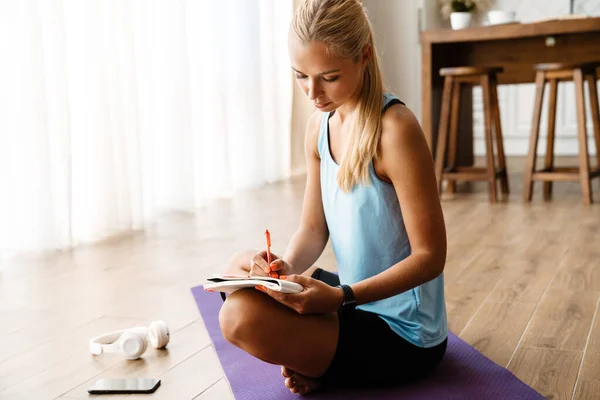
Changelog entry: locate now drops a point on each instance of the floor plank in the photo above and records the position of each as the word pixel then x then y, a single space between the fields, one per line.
pixel 579 272
pixel 462 302
pixel 496 329
pixel 524 280
pixel 590 368
pixel 551 372
pixel 587 390
pixel 562 320
pixel 220 390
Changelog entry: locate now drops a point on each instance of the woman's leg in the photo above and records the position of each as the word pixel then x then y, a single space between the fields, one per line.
pixel 274 333
pixel 239 264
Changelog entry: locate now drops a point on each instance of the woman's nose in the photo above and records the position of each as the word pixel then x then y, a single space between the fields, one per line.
pixel 314 90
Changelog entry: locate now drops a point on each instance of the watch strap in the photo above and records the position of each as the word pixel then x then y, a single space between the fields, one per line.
pixel 349 298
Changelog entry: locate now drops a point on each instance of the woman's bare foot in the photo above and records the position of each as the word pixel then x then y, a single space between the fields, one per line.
pixel 298 383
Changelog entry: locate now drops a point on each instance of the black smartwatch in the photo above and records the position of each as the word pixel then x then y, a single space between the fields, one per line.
pixel 349 299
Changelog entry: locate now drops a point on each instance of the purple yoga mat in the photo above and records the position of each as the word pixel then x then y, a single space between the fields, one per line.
pixel 464 373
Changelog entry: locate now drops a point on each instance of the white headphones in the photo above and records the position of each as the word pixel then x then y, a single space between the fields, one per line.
pixel 132 342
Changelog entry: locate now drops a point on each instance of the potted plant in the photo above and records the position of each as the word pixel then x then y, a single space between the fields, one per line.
pixel 460 11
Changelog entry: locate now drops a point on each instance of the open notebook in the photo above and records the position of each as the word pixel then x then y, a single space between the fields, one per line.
pixel 231 283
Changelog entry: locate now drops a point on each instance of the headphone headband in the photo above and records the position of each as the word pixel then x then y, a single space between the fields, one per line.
pixel 138 337
pixel 105 342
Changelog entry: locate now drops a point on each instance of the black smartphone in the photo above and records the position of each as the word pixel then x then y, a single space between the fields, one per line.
pixel 124 386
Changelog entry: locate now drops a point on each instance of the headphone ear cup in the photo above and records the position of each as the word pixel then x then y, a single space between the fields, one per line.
pixel 132 345
pixel 158 333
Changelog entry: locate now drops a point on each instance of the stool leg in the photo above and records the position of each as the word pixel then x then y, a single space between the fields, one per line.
pixel 499 140
pixel 540 83
pixel 584 167
pixel 549 159
pixel 443 132
pixel 456 89
pixel 489 144
pixel 591 79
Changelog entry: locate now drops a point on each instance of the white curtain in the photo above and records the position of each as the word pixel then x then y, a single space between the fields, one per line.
pixel 115 111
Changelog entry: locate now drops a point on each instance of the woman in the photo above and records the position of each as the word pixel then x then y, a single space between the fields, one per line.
pixel 371 189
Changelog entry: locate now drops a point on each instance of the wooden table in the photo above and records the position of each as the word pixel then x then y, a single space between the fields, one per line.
pixel 516 47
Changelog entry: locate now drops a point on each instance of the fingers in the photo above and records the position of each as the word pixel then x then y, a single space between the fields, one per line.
pixel 302 280
pixel 259 261
pixel 280 297
pixel 263 255
pixel 277 265
pixel 256 270
pixel 258 265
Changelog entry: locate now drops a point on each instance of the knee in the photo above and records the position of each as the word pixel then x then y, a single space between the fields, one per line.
pixel 236 316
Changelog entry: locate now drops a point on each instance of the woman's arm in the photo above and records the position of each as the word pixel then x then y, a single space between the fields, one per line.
pixel 310 239
pixel 406 161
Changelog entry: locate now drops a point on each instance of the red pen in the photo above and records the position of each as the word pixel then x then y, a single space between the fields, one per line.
pixel 273 274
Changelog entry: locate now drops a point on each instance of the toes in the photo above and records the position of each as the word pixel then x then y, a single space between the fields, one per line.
pixel 297 383
pixel 289 383
pixel 286 372
pixel 302 390
pixel 294 388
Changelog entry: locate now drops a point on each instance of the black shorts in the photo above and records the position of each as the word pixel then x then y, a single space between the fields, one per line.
pixel 370 354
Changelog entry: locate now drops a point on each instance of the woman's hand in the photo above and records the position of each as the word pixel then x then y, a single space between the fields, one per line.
pixel 317 297
pixel 260 267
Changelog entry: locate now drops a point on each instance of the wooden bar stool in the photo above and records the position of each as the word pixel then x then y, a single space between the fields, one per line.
pixel 455 78
pixel 554 73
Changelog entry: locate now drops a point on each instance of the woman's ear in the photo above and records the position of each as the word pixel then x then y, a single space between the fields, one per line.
pixel 366 54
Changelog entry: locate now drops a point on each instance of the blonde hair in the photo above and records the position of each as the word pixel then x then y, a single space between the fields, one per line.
pixel 345 28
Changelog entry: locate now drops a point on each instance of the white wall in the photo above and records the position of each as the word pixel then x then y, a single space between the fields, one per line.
pixel 397 26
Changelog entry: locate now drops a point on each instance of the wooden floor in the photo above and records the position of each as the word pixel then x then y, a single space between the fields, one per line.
pixel 522 286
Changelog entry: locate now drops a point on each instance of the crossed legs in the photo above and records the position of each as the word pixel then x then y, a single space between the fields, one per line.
pixel 304 345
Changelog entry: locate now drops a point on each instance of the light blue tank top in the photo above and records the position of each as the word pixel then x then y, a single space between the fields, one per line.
pixel 368 235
